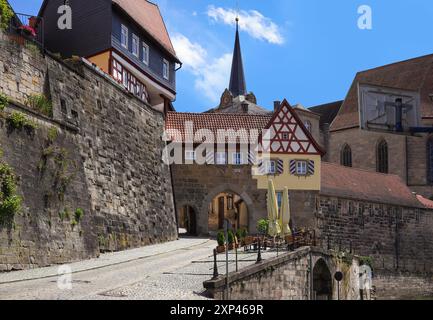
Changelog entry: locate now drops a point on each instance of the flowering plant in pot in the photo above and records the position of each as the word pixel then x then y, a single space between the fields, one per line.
pixel 27 30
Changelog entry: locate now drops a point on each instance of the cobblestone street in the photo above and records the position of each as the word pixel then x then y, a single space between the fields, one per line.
pixel 173 271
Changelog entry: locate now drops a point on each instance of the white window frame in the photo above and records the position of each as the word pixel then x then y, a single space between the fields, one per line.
pixel 146 53
pixel 221 158
pixel 190 155
pixel 238 158
pixel 124 35
pixel 301 168
pixel 135 48
pixel 271 167
pixel 166 66
pixel 125 78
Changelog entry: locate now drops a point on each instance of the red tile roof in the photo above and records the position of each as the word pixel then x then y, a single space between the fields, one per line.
pixel 339 181
pixel 412 75
pixel 176 121
pixel 425 202
pixel 148 16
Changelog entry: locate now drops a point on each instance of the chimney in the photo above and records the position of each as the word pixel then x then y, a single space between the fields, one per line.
pixel 277 105
pixel 245 107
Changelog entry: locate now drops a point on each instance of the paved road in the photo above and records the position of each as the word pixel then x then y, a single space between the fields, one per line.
pixel 154 272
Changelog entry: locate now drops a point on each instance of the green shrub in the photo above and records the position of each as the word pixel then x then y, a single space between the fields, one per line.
pixel 40 103
pixel 4 101
pixel 242 233
pixel 263 226
pixel 18 120
pixel 10 202
pixel 221 239
pixel 79 213
pixel 231 237
pixel 6 14
pixel 367 261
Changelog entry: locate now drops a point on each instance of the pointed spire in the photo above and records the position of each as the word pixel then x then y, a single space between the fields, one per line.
pixel 237 78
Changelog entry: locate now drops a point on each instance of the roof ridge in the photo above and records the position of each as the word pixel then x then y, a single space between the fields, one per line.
pixel 221 114
pixel 397 62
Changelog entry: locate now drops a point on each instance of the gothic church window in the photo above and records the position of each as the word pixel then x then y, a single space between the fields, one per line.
pixel 346 156
pixel 382 157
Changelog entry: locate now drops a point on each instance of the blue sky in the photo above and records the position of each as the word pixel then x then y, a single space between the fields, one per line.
pixel 307 51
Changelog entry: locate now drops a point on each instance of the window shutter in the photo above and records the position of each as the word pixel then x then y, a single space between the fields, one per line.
pixel 311 167
pixel 252 158
pixel 262 168
pixel 293 167
pixel 280 166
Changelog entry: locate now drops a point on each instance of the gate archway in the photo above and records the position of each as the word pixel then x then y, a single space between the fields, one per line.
pixel 188 220
pixel 322 281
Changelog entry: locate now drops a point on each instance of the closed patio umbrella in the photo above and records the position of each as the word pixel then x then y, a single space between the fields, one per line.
pixel 274 226
pixel 285 214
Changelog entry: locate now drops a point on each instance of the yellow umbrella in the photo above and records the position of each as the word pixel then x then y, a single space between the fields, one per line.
pixel 274 227
pixel 285 213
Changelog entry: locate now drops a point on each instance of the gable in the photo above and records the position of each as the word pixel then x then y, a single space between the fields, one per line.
pixel 286 134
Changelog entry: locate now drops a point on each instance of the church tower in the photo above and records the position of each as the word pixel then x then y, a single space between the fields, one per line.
pixel 237 78
pixel 236 98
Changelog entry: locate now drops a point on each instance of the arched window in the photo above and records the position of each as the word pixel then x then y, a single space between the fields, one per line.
pixel 308 125
pixel 430 160
pixel 382 157
pixel 346 156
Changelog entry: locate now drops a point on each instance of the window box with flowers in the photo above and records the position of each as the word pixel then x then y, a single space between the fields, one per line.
pixel 27 31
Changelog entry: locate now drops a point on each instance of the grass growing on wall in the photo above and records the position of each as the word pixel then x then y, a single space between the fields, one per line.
pixel 4 101
pixel 18 120
pixel 40 103
pixel 6 14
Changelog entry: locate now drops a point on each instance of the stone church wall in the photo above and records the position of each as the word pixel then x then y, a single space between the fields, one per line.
pixel 112 145
pixel 407 155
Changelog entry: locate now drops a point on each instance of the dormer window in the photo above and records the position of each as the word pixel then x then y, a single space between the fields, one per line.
pixel 145 54
pixel 166 69
pixel 135 45
pixel 124 37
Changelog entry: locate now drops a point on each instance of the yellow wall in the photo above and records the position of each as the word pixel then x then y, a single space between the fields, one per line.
pixel 291 181
pixel 102 61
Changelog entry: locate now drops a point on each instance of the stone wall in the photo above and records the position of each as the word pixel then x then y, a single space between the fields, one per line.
pixel 397 238
pixel 197 185
pixel 289 277
pixel 403 286
pixel 407 154
pixel 115 143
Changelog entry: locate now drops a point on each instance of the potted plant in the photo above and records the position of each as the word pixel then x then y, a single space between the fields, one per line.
pixel 27 30
pixel 231 239
pixel 240 236
pixel 248 240
pixel 221 239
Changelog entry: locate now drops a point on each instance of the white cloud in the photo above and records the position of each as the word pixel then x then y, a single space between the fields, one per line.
pixel 253 22
pixel 211 74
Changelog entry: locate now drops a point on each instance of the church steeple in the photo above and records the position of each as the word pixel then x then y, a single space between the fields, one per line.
pixel 237 78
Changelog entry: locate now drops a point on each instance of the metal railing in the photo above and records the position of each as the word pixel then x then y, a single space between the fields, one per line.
pixel 28 27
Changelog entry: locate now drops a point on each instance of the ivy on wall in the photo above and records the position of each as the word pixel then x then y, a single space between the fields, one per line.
pixel 6 14
pixel 10 201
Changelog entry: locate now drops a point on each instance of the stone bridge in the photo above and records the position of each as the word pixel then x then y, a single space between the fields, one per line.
pixel 288 277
